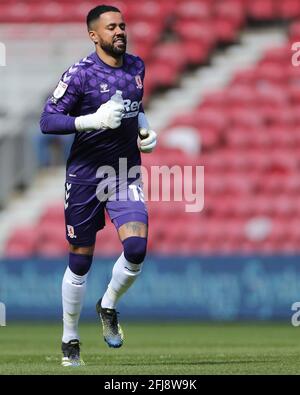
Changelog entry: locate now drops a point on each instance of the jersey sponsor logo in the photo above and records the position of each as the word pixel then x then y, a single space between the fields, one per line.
pixel 131 108
pixel 60 90
pixel 139 83
pixel 71 232
pixel 104 88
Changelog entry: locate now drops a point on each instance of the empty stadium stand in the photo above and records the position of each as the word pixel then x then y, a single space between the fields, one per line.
pixel 249 132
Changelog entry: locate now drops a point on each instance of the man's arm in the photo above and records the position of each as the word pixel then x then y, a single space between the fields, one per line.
pixel 108 116
pixel 55 118
pixel 57 124
pixel 147 139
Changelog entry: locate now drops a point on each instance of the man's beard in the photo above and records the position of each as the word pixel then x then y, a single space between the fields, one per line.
pixel 113 50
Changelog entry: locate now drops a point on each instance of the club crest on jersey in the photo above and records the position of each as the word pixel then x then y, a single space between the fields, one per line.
pixel 60 90
pixel 71 232
pixel 104 88
pixel 139 83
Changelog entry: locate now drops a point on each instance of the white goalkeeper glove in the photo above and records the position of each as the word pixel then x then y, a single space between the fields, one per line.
pixel 108 116
pixel 147 140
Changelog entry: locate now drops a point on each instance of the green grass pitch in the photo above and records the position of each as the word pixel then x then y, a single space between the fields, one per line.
pixel 157 349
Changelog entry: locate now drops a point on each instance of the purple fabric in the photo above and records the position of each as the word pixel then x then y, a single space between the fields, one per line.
pixel 88 84
pixel 135 216
pixel 135 249
pixel 57 124
pixel 85 214
pixel 80 264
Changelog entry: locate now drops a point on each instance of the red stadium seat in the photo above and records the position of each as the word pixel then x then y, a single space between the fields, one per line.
pixel 77 11
pixel 22 242
pixel 213 100
pixel 240 138
pixel 288 8
pixel 202 32
pixel 108 249
pixel 226 30
pixel 196 51
pixel 18 251
pixel 240 94
pixel 291 184
pixel 273 72
pixel 294 31
pixel 249 130
pixel 52 12
pixel 52 232
pixel 294 94
pixel 262 10
pixel 282 137
pixel 16 13
pixel 168 53
pixel 270 94
pixel 52 249
pixel 149 10
pixel 194 10
pixel 245 118
pixel 163 74
pixel 278 55
pixel 53 213
pixel 232 11
pixel 245 77
pixel 145 31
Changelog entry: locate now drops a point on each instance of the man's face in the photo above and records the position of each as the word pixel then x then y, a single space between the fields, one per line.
pixel 109 32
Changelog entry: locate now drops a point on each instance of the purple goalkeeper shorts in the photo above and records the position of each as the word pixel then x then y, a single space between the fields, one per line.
pixel 85 210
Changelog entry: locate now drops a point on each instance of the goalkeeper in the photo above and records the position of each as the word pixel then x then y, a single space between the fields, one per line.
pixel 99 100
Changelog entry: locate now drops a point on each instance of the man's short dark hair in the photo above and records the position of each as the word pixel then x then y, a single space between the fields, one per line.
pixel 94 14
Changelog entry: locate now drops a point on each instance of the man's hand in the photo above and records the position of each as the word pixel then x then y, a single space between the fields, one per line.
pixel 108 116
pixel 147 140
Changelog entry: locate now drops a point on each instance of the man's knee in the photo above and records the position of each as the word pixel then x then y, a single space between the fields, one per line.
pixel 89 250
pixel 80 259
pixel 135 249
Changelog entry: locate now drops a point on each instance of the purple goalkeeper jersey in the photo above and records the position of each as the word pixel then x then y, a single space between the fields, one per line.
pixel 82 89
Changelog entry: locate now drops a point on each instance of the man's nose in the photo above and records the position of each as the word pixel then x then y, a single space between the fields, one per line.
pixel 119 31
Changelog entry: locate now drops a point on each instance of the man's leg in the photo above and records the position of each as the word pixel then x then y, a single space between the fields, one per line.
pixel 73 291
pixel 133 236
pixel 84 216
pixel 130 218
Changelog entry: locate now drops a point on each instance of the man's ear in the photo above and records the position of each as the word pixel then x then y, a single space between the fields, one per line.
pixel 93 36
